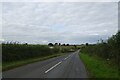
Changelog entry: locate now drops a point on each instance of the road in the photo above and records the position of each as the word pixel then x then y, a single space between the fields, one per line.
pixel 66 66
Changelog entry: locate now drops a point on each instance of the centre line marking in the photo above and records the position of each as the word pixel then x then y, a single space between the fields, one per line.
pixel 65 58
pixel 53 67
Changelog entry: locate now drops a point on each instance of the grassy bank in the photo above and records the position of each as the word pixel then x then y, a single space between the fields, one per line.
pixel 11 65
pixel 106 49
pixel 99 68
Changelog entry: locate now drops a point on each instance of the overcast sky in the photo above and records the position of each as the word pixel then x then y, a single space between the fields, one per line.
pixel 74 23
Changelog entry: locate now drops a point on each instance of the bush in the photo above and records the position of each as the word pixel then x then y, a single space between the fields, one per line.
pixel 14 52
pixel 108 50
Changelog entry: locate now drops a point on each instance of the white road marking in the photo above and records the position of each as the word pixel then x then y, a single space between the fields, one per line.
pixel 53 67
pixel 65 58
pixel 57 64
pixel 68 57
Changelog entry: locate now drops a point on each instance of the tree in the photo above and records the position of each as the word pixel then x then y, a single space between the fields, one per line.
pixel 59 44
pixel 26 43
pixel 67 44
pixel 63 44
pixel 75 46
pixel 86 44
pixel 56 44
pixel 50 44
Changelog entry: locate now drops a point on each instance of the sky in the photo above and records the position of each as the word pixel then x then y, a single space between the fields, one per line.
pixel 59 0
pixel 61 22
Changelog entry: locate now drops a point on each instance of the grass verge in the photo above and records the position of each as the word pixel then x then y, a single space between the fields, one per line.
pixel 99 68
pixel 11 65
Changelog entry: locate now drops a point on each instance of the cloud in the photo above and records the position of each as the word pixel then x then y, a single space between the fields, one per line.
pixel 59 22
pixel 59 0
pixel 0 20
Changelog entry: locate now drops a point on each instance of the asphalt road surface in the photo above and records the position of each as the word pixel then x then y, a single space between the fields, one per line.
pixel 66 66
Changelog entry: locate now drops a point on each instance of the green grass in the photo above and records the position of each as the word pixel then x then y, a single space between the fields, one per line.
pixel 99 68
pixel 11 65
